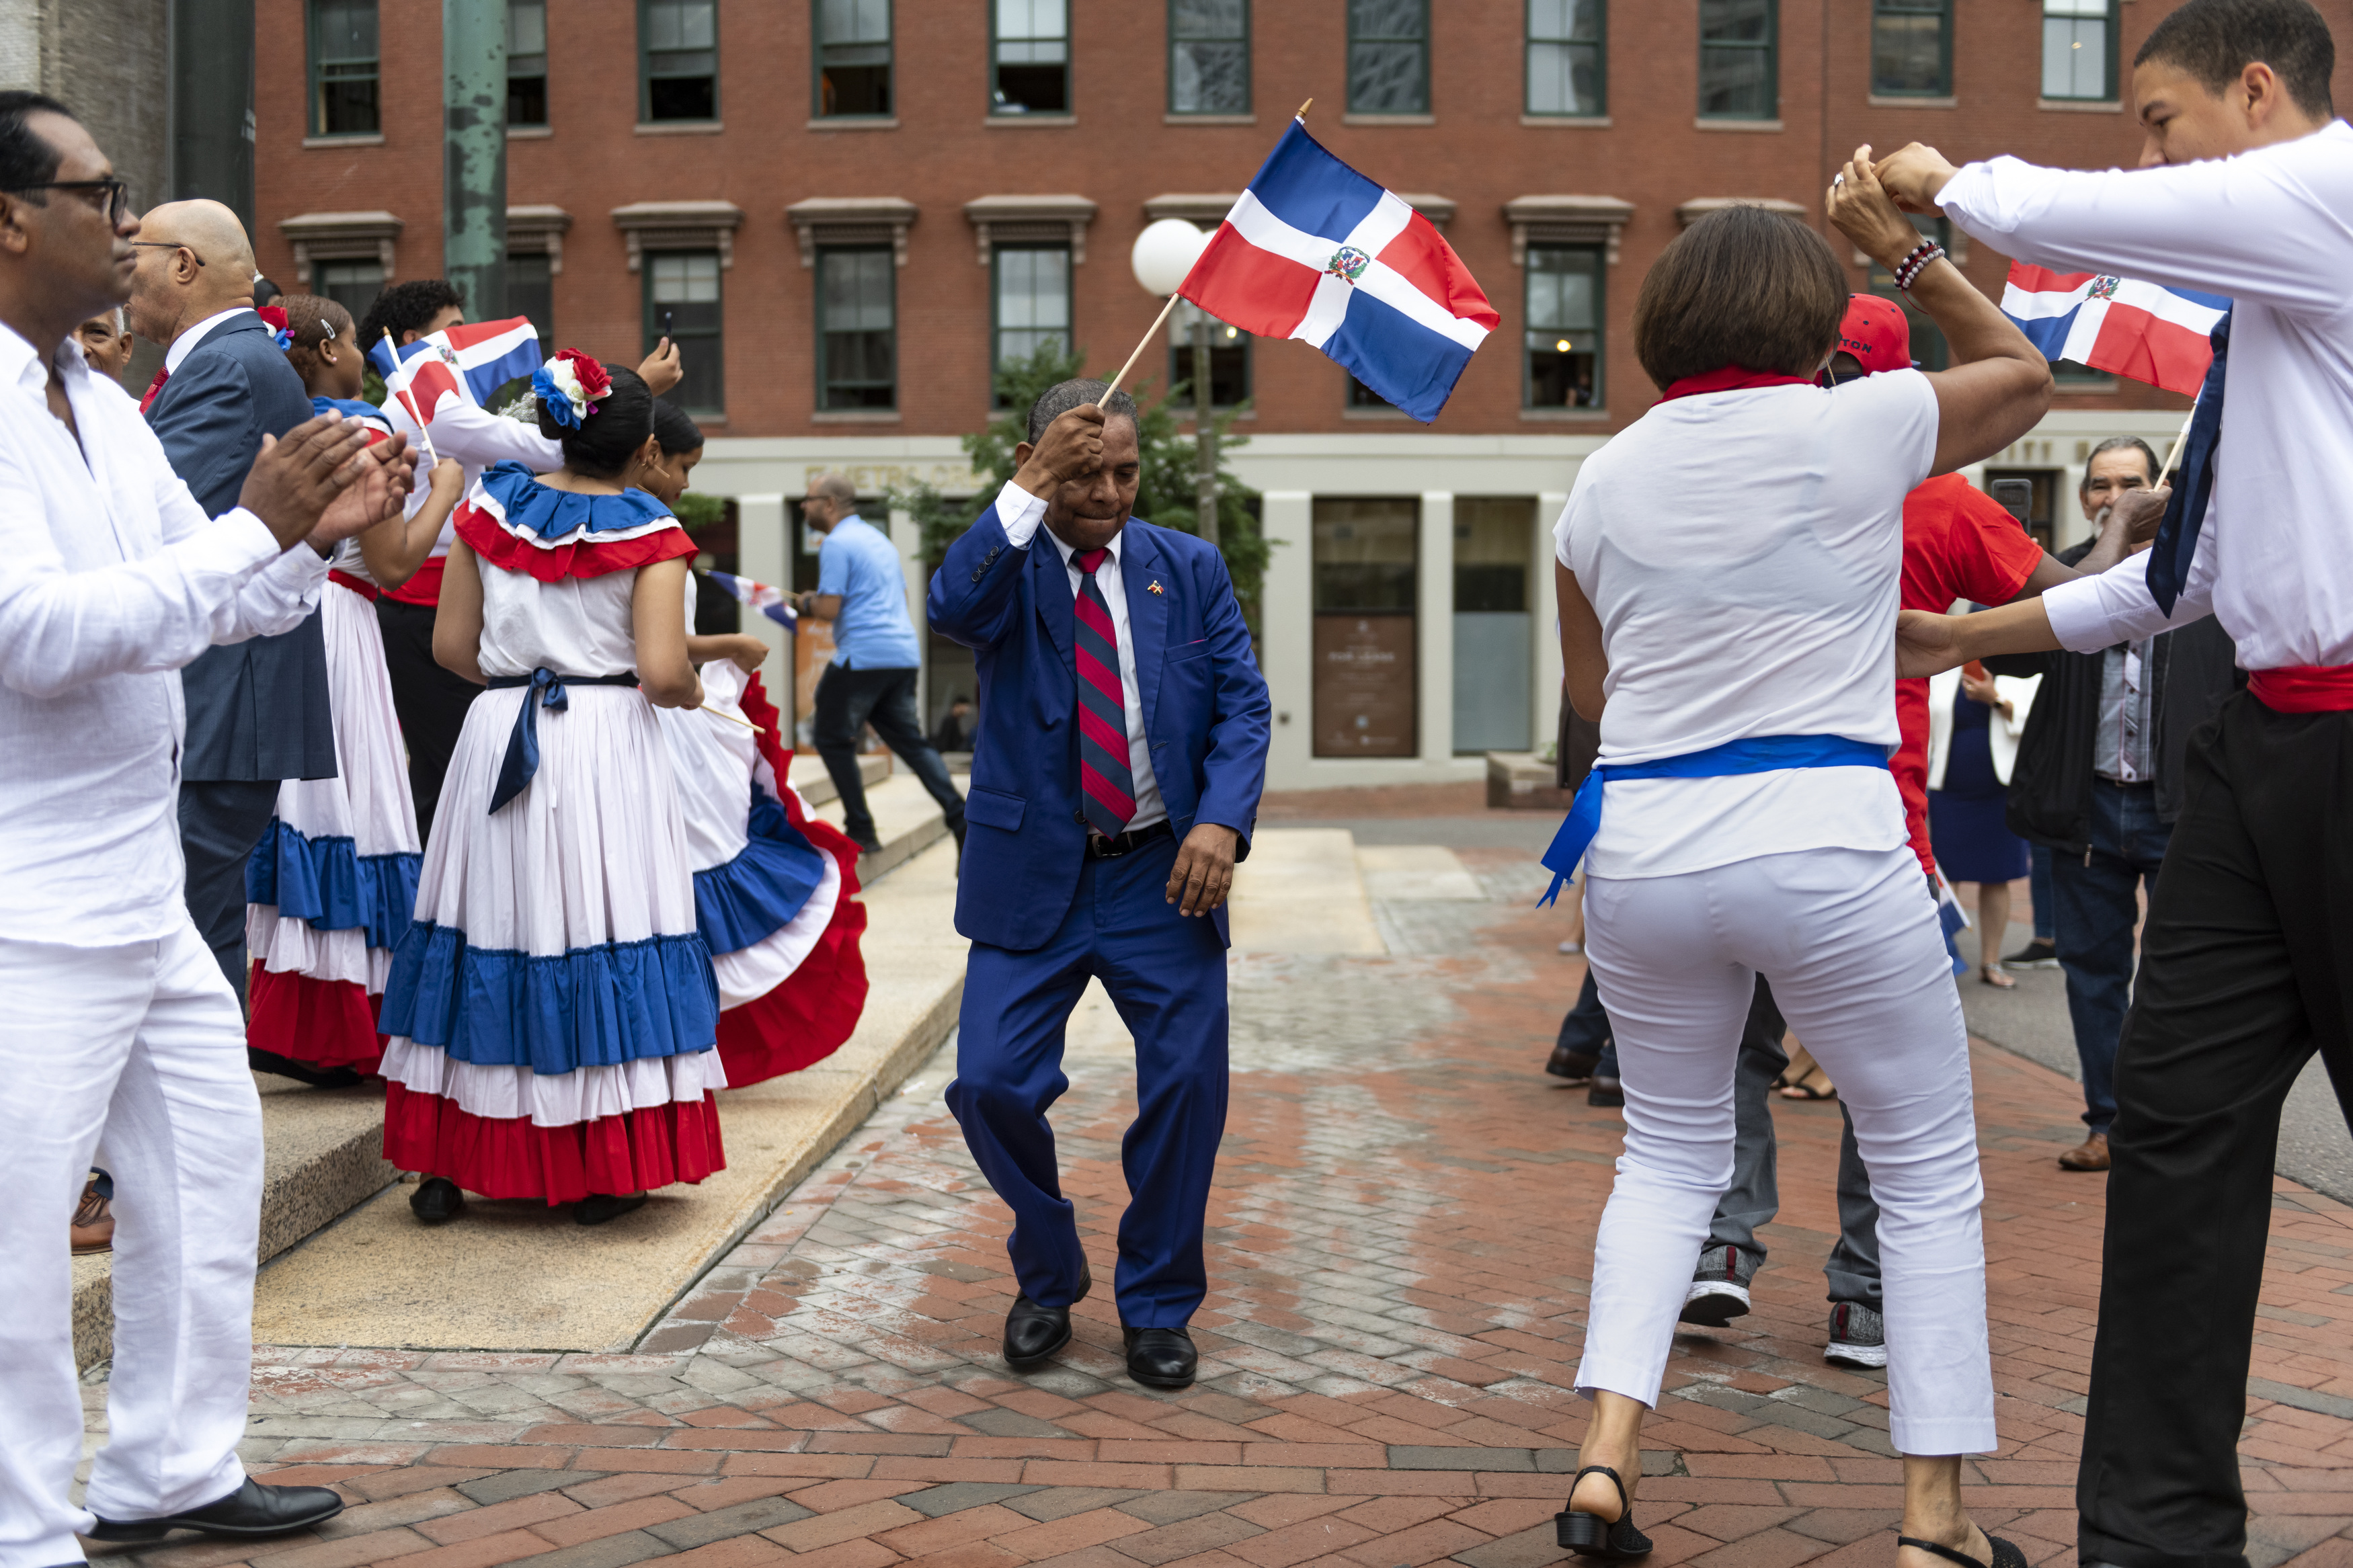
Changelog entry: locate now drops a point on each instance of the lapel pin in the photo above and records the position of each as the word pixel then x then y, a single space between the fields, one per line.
pixel 1153 586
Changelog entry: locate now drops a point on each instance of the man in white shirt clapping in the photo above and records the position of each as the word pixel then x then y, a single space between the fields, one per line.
pixel 2245 183
pixel 114 1017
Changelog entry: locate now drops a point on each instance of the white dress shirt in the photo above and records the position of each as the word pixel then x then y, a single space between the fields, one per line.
pixel 1019 514
pixel 2269 228
pixel 112 578
pixel 185 344
pixel 472 436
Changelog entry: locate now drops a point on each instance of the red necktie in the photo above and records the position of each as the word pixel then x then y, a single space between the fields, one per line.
pixel 153 387
pixel 1106 784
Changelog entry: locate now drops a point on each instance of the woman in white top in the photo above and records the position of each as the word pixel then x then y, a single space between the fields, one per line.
pixel 1727 580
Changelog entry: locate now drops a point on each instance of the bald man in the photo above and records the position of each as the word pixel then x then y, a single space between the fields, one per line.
pixel 257 711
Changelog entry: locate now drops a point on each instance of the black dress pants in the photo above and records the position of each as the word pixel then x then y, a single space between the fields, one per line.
pixel 847 700
pixel 220 822
pixel 431 701
pixel 2246 969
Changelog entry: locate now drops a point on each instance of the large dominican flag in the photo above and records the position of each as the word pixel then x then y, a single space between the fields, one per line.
pixel 2143 330
pixel 469 361
pixel 1315 251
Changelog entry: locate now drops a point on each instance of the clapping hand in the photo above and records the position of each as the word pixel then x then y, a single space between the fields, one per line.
pixel 379 493
pixel 294 480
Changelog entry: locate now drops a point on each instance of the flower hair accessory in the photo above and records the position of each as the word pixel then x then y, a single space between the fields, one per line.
pixel 568 386
pixel 280 330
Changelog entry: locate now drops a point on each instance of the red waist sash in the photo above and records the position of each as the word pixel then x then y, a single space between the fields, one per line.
pixel 360 585
pixel 2304 687
pixel 425 588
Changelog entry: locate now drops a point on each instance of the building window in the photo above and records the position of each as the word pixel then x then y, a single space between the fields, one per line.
pixel 1566 73
pixel 526 62
pixel 353 285
pixel 531 293
pixel 682 304
pixel 2079 49
pixel 853 58
pixel 1364 555
pixel 858 352
pixel 1495 541
pixel 1030 50
pixel 1912 48
pixel 1208 56
pixel 1388 57
pixel 1032 299
pixel 343 68
pixel 1739 77
pixel 678 57
pixel 1564 335
pixel 1230 360
pixel 1928 348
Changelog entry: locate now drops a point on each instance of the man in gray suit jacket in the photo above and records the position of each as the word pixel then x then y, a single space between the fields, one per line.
pixel 257 711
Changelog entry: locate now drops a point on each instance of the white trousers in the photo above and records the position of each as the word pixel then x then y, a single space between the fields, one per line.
pixel 1850 941
pixel 144 1044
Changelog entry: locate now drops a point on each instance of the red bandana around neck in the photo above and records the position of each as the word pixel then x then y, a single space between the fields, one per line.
pixel 1731 378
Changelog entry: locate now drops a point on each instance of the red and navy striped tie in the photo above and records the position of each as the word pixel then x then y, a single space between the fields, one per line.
pixel 1106 786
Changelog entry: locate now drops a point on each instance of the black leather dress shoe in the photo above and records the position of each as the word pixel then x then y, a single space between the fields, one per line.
pixel 437 1200
pixel 1162 1358
pixel 1034 1332
pixel 598 1207
pixel 251 1511
pixel 300 1072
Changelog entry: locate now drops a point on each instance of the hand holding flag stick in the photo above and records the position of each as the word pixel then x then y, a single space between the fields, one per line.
pixel 409 403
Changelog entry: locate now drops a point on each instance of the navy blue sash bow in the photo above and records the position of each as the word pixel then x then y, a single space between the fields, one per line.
pixel 522 742
pixel 1761 754
pixel 2184 512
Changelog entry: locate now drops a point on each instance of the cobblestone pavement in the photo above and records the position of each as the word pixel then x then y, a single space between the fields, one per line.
pixel 1400 1239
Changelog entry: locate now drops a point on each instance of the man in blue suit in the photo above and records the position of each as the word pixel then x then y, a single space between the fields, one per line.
pixel 1115 779
pixel 257 711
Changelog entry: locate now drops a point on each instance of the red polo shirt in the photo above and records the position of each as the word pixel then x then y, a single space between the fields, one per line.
pixel 1957 544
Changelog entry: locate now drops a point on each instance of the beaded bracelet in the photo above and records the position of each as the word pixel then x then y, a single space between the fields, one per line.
pixel 1909 271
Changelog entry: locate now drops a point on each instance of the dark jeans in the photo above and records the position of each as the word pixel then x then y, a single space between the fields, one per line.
pixel 220 822
pixel 1851 1271
pixel 2038 885
pixel 2098 906
pixel 2244 975
pixel 431 701
pixel 847 702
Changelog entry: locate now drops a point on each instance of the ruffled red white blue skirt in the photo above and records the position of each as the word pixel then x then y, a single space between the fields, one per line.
pixel 551 1013
pixel 331 887
pixel 773 886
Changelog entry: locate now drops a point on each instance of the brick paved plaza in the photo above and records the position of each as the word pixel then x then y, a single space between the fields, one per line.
pixel 1399 1245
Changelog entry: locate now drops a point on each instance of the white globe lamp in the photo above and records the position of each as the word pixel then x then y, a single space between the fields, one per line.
pixel 1164 252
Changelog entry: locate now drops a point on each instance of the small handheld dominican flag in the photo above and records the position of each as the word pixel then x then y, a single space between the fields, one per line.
pixel 1315 251
pixel 773 603
pixel 469 361
pixel 2144 330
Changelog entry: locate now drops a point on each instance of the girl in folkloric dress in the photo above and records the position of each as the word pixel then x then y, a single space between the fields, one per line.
pixel 552 1010
pixel 330 886
pixel 773 882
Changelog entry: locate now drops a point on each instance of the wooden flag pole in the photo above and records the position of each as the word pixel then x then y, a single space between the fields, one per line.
pixel 410 403
pixel 1303 110
pixel 731 718
pixel 2179 441
pixel 1148 336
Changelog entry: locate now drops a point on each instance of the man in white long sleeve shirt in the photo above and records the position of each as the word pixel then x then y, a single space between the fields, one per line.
pixel 114 1017
pixel 2245 189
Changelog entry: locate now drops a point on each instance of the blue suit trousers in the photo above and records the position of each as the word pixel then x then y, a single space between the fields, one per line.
pixel 1165 973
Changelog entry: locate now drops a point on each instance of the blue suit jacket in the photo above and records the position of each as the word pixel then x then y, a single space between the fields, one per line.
pixel 1205 713
pixel 256 709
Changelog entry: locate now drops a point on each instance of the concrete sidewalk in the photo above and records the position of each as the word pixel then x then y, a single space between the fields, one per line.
pixel 1400 1248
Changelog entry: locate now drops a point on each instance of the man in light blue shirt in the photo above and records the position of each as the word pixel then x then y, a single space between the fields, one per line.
pixel 862 590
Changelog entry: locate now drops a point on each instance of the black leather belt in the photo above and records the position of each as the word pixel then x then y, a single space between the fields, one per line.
pixel 1101 848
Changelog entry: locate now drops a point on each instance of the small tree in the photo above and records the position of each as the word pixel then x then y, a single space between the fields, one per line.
pixel 1165 493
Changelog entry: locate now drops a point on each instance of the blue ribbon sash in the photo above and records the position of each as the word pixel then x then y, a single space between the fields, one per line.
pixel 522 761
pixel 1762 754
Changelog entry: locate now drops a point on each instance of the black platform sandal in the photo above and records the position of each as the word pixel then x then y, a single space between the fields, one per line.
pixel 1591 1535
pixel 2005 1555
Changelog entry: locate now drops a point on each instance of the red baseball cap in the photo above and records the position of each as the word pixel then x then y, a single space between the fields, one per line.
pixel 1875 332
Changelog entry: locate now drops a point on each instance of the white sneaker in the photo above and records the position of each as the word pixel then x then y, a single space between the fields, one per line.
pixel 1572 948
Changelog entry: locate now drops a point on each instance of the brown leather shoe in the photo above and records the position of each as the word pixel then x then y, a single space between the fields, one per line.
pixel 93 1222
pixel 2091 1154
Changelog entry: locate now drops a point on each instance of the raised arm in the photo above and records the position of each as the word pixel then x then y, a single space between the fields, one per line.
pixel 2000 383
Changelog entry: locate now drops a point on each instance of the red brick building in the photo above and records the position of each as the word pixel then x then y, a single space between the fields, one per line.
pixel 846 208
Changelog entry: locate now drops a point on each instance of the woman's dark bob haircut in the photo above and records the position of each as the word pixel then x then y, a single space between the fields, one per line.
pixel 1743 287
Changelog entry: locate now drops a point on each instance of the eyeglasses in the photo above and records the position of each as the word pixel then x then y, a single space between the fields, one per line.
pixel 168 245
pixel 117 191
